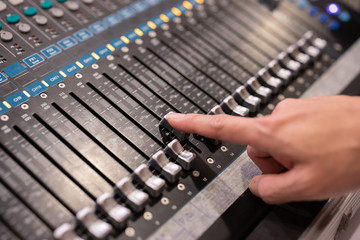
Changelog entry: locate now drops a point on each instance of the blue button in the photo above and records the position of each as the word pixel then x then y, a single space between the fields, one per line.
pixel 53 78
pixel 3 109
pixel 153 2
pixel 35 88
pixel 145 28
pixel 157 20
pixel 181 8
pixel 16 99
pixel 14 69
pixel 33 60
pixel 170 14
pixel 313 11
pixel 102 51
pixel 71 69
pixel 323 18
pixel 2 78
pixel 345 16
pixel 67 43
pixel 87 60
pixel 97 27
pixel 334 25
pixel 302 4
pixel 139 6
pixel 50 51
pixel 83 35
pixel 126 13
pixel 112 20
pixel 132 36
pixel 117 43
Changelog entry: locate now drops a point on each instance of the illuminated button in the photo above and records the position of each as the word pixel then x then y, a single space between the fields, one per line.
pixel 151 184
pixel 345 16
pixel 97 228
pixel 15 2
pixel 16 99
pixel 3 109
pixel 24 27
pixel 46 4
pixel 303 4
pixel 135 198
pixel 231 107
pixel 313 11
pixel 323 18
pixel 6 36
pixel 41 20
pixel 30 11
pixel 33 60
pixel 50 51
pixel 254 87
pixel 102 52
pixel 3 6
pixel 35 88
pixel 72 5
pixel 160 162
pixel 243 97
pixel 53 78
pixel 71 69
pixel 56 12
pixel 183 157
pixel 87 60
pixel 117 214
pixel 268 80
pixel 13 18
pixel 165 125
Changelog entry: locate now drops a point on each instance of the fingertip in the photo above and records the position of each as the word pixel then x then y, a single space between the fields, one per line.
pixel 254 185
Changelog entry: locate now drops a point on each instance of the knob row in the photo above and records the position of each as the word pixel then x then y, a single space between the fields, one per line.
pixel 131 194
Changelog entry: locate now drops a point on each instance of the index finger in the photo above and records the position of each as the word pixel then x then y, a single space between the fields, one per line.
pixel 223 127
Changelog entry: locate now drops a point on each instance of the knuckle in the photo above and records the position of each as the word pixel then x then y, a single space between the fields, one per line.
pixel 217 123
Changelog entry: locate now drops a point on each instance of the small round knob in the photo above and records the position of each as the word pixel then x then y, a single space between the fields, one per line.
pixel 57 12
pixel 24 27
pixel 72 5
pixel 6 36
pixel 46 4
pixel 30 11
pixel 41 20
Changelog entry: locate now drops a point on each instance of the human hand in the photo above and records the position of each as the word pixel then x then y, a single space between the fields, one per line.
pixel 308 149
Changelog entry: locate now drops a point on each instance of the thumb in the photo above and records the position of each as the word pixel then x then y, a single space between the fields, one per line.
pixel 276 188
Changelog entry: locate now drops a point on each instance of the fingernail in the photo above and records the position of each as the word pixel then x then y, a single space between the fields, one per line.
pixel 174 116
pixel 254 185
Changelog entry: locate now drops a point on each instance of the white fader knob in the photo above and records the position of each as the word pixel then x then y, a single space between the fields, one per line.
pixel 98 228
pixel 152 184
pixel 162 164
pixel 135 198
pixel 66 232
pixel 184 157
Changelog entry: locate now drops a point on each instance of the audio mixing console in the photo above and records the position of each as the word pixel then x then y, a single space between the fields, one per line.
pixel 86 151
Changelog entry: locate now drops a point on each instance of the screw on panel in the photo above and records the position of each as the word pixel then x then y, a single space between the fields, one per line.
pixel 78 75
pixel 224 148
pixel 139 41
pixel 148 216
pixel 196 173
pixel 43 95
pixel 165 27
pixel 110 57
pixel 4 118
pixel 181 187
pixel 130 232
pixel 61 85
pixel 165 201
pixel 124 49
pixel 177 20
pixel 210 160
pixel 152 34
pixel 95 66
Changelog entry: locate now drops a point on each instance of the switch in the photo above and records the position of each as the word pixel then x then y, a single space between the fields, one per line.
pixel 15 2
pixel 243 97
pixel 279 71
pixel 160 162
pixel 56 12
pixel 164 124
pixel 6 36
pixel 66 232
pixel 151 183
pixel 41 20
pixel 312 39
pixel 117 214
pixel 230 106
pixel 97 228
pixel 254 87
pixel 289 63
pixel 3 6
pixel 72 5
pixel 216 111
pixel 135 198
pixel 47 4
pixel 30 11
pixel 177 152
pixel 24 27
pixel 308 49
pixel 297 55
pixel 13 18
pixel 268 80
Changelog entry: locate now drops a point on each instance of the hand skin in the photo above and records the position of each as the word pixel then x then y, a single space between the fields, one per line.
pixel 308 149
